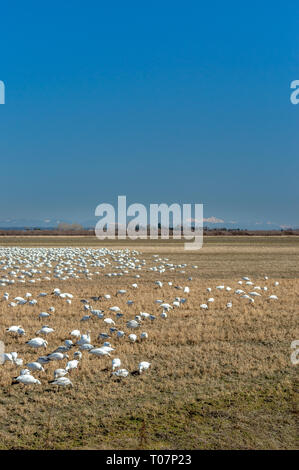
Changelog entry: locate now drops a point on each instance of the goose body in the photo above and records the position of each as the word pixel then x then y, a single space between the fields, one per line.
pixel 132 338
pixel 99 352
pixel 143 366
pixel 132 324
pixel 45 330
pixel 16 329
pixel 37 343
pixel 75 333
pixel 35 366
pixel 61 382
pixel 57 356
pixel 72 365
pixel 121 373
pixel 59 373
pixel 116 362
pixel 26 379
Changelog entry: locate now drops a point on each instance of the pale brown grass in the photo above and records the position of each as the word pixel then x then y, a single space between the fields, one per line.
pixel 219 379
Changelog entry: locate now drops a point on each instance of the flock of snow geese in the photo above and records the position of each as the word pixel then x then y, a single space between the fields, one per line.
pixel 27 266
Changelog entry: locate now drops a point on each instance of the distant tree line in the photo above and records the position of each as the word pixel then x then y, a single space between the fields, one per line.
pixel 63 226
pixel 75 228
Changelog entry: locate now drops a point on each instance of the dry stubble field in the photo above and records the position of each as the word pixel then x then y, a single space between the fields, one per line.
pixel 220 379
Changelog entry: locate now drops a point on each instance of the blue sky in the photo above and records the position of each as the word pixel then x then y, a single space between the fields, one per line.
pixel 159 101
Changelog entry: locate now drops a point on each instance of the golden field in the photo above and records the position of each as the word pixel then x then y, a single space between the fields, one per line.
pixel 220 378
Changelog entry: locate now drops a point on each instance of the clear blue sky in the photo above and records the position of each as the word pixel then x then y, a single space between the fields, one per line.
pixel 160 101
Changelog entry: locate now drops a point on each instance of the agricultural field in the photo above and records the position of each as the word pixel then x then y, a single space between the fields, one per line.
pixel 220 374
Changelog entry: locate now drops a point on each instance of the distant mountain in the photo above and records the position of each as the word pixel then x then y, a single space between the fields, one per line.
pixel 34 223
pixel 52 223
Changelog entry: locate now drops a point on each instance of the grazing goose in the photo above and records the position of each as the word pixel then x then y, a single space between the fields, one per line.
pixel 116 362
pixel 37 343
pixel 114 309
pixel 78 354
pixel 121 292
pixel 75 333
pixel 43 360
pixel 84 339
pixel 20 300
pixel 97 313
pixel 86 347
pixel 132 324
pixel 165 306
pixel 72 365
pixel 26 379
pixel 144 315
pixel 121 373
pixel 18 362
pixel 61 382
pixel 103 335
pixel 6 357
pixel 132 338
pixel 63 348
pixel 143 366
pixel 99 352
pixel 57 356
pixel 85 318
pixel 35 366
pixel 59 373
pixel 44 315
pixel 45 330
pixel 18 330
